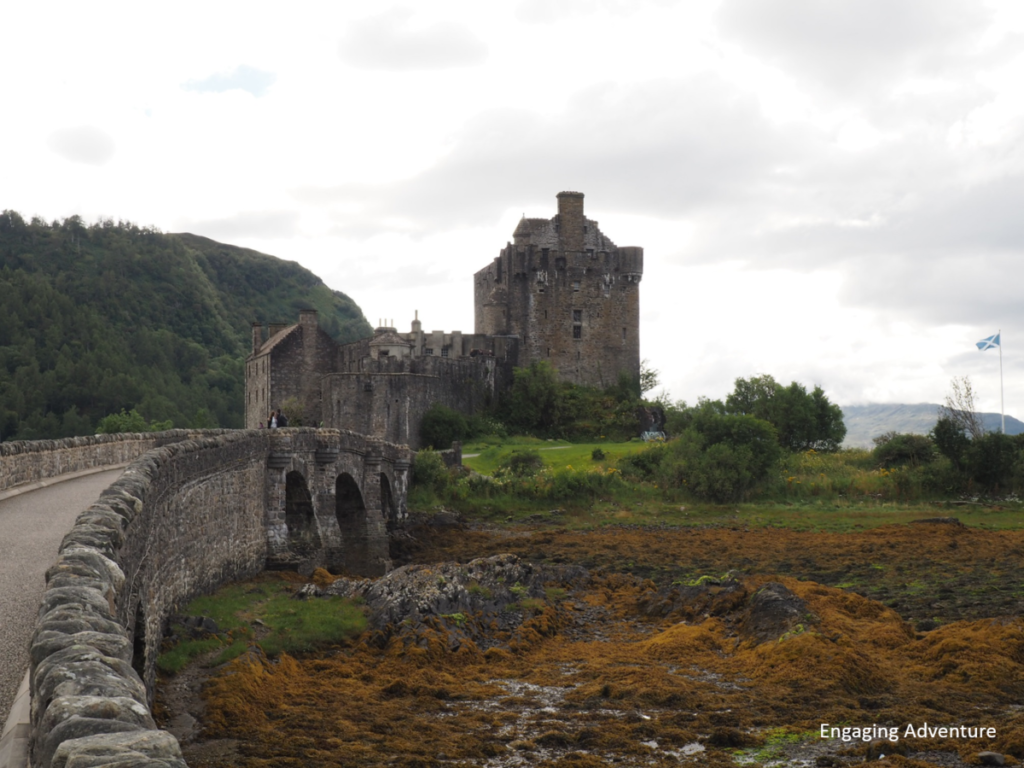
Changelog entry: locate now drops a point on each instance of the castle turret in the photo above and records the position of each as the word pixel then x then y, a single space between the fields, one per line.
pixel 570 295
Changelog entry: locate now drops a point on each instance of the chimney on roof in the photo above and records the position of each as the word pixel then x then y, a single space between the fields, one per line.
pixel 570 221
pixel 257 337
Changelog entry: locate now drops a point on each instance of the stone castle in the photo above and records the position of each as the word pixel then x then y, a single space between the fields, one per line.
pixel 561 291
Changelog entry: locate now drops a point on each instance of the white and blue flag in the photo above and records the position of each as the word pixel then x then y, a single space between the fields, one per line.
pixel 990 343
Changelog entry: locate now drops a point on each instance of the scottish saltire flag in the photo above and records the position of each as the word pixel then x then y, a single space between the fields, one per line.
pixel 990 343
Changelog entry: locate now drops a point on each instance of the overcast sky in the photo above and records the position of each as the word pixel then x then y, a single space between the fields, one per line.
pixel 829 191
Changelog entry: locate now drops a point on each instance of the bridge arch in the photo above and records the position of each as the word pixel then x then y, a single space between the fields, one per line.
pixel 299 516
pixel 350 511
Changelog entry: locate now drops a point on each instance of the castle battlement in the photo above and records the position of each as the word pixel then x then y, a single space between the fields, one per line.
pixel 562 292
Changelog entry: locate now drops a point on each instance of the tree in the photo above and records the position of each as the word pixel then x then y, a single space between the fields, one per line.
pixel 952 441
pixel 532 404
pixel 959 407
pixel 649 377
pixel 803 420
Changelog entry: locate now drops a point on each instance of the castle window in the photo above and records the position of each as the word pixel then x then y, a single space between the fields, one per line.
pixel 444 351
pixel 577 331
pixel 576 285
pixel 577 315
pixel 623 335
pixel 590 252
pixel 428 351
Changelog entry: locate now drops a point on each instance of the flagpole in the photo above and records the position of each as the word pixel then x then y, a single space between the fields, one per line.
pixel 1002 408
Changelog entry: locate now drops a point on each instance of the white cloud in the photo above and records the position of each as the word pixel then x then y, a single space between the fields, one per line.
pixel 83 144
pixel 857 46
pixel 246 225
pixel 392 41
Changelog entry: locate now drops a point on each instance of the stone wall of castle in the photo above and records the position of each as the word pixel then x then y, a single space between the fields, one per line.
pixel 569 293
pixel 388 397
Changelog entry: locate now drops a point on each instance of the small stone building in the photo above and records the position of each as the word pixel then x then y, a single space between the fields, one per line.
pixel 561 292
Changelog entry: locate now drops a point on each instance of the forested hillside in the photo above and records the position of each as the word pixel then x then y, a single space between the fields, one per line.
pixel 96 318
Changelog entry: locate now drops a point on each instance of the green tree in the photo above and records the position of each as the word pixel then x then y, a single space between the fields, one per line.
pixel 532 405
pixel 952 441
pixel 132 421
pixel 803 420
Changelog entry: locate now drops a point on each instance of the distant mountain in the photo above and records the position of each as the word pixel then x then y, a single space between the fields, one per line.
pixel 864 422
pixel 98 318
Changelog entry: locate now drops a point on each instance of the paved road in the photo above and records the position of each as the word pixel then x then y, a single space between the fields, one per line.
pixel 31 528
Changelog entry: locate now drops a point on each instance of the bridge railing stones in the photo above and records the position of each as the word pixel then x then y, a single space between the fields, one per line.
pixel 28 461
pixel 183 519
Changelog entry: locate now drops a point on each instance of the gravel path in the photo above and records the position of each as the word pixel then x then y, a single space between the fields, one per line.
pixel 32 526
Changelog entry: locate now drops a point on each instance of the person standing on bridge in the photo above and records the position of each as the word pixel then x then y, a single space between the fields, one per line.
pixel 282 420
pixel 272 421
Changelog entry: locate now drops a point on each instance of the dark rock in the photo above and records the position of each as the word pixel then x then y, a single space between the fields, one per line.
pixel 991 758
pixel 773 612
pixel 731 738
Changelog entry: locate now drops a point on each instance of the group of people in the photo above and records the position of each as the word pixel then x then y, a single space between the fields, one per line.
pixel 275 420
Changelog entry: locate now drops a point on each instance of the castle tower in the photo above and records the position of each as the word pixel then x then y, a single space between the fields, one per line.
pixel 569 293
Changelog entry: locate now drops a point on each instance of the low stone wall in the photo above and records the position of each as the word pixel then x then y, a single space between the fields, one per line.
pixel 28 461
pixel 183 519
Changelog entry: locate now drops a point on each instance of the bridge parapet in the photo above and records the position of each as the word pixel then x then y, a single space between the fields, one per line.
pixel 29 461
pixel 183 519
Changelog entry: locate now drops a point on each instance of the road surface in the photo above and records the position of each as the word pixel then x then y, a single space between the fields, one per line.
pixel 32 525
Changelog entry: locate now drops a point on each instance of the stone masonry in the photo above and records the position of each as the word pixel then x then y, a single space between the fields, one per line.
pixel 569 294
pixel 561 292
pixel 182 520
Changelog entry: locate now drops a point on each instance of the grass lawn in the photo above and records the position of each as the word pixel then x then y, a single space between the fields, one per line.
pixel 490 452
pixel 263 610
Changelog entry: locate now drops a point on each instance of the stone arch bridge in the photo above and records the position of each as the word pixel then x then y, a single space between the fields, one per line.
pixel 192 511
pixel 332 498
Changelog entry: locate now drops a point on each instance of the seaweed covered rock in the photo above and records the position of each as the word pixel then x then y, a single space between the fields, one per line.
pixel 774 610
pixel 694 600
pixel 482 603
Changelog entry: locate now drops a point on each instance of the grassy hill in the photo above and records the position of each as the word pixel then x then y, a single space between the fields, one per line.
pixel 864 422
pixel 98 318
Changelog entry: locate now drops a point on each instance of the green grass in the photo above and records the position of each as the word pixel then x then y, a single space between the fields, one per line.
pixel 290 626
pixel 555 453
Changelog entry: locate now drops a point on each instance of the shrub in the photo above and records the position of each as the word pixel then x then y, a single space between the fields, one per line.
pixel 429 471
pixel 721 458
pixel 523 463
pixel 644 464
pixel 990 461
pixel 441 426
pixel 903 450
pixel 597 455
